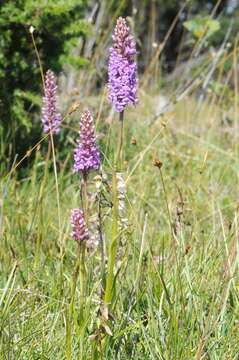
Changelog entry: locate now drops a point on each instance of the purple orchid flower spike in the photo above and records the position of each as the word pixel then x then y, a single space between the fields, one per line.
pixel 51 118
pixel 122 72
pixel 87 155
pixel 79 229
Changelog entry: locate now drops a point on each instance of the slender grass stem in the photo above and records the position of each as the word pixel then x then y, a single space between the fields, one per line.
pixel 71 312
pixel 179 282
pixel 40 201
pixel 38 57
pixel 57 188
pixel 141 253
pixel 82 298
pixel 167 205
pixel 102 245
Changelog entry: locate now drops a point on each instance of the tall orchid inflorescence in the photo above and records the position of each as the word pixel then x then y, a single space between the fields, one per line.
pixel 51 118
pixel 122 70
pixel 86 159
pixel 87 155
pixel 79 229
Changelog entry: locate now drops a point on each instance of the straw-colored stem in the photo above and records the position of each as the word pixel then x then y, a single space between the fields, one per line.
pixel 167 205
pixel 38 59
pixel 40 198
pixel 57 185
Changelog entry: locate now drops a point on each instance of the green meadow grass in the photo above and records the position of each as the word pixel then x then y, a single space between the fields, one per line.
pixel 176 276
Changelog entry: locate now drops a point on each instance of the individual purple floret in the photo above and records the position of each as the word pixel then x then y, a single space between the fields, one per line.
pixel 51 118
pixel 87 155
pixel 79 229
pixel 122 70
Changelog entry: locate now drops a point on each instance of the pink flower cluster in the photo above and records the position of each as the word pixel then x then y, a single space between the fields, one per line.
pixel 79 229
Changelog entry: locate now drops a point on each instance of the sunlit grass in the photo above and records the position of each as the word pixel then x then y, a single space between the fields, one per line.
pixel 176 291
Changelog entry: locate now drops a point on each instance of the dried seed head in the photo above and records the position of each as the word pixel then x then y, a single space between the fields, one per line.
pixel 74 107
pixel 133 141
pixel 98 182
pixel 157 163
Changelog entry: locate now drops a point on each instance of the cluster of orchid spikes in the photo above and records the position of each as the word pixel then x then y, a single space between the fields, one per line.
pixel 122 86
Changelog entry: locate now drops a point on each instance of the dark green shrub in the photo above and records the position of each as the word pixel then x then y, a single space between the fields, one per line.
pixel 57 23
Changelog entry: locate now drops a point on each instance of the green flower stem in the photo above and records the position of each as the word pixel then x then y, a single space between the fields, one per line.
pixel 113 245
pixel 119 153
pixel 115 227
pixel 83 272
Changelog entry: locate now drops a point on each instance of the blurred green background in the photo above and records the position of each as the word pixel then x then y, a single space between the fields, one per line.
pixel 72 38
